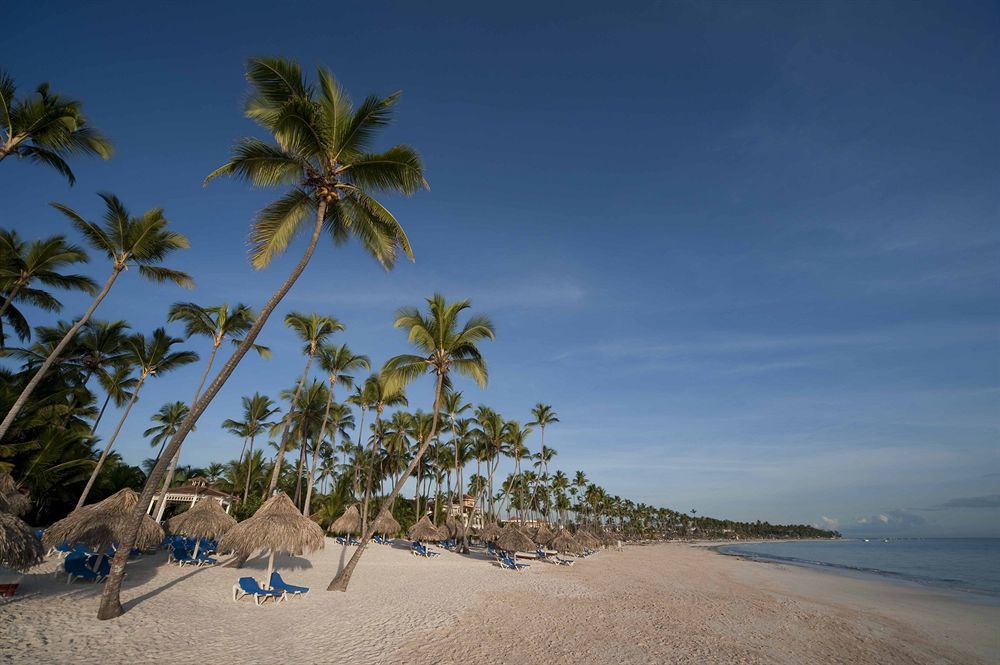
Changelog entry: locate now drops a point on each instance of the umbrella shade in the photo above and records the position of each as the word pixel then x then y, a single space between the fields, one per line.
pixel 349 522
pixel 564 542
pixel 423 530
pixel 386 523
pixel 543 535
pixel 19 549
pixel 277 526
pixel 11 500
pixel 489 532
pixel 103 524
pixel 512 540
pixel 205 519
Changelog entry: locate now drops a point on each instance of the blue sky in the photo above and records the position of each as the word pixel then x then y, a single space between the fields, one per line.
pixel 748 251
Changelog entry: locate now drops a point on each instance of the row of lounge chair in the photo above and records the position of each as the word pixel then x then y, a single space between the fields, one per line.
pixel 278 589
pixel 542 555
pixel 183 557
pixel 82 566
pixel 419 549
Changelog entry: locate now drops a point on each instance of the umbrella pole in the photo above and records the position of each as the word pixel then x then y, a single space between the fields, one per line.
pixel 197 544
pixel 270 569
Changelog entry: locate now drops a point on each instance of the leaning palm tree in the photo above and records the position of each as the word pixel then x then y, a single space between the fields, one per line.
pixel 167 420
pixel 26 266
pixel 46 128
pixel 323 149
pixel 219 324
pixel 118 384
pixel 313 329
pixel 140 241
pixel 443 347
pixel 152 356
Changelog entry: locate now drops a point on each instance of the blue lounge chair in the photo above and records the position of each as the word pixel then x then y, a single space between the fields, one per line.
pixel 380 540
pixel 507 562
pixel 419 549
pixel 181 556
pixel 205 559
pixel 248 586
pixel 76 567
pixel 279 584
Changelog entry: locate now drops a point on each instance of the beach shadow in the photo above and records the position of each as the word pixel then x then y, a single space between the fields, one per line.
pixel 157 591
pixel 281 562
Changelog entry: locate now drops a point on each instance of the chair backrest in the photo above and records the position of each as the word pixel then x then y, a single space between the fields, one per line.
pixel 180 552
pixel 276 579
pixel 249 585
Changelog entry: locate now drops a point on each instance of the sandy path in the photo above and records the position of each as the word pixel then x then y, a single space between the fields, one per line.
pixel 657 604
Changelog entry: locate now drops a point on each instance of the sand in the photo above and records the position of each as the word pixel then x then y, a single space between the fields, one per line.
pixel 668 603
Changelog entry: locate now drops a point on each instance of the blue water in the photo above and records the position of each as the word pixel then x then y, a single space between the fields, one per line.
pixel 961 564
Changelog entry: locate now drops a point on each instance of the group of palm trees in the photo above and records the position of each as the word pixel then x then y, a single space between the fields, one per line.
pixel 320 150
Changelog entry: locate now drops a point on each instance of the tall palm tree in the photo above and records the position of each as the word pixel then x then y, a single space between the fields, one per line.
pixel 491 430
pixel 118 383
pixel 257 409
pixel 323 149
pixel 313 329
pixel 24 265
pixel 338 418
pixel 542 460
pixel 141 241
pixel 516 438
pixel 46 128
pixel 219 323
pixel 544 415
pixel 152 356
pixel 167 420
pixel 381 395
pixel 444 347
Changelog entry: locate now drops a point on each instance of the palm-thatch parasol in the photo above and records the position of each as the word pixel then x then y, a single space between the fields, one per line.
pixel 104 524
pixel 349 522
pixel 585 538
pixel 512 540
pixel 455 528
pixel 543 535
pixel 205 519
pixel 443 533
pixel 564 542
pixel 386 523
pixel 11 500
pixel 489 532
pixel 277 526
pixel 423 530
pixel 19 549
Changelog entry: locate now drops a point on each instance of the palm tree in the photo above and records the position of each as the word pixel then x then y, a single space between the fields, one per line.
pixel 218 323
pixel 454 405
pixel 256 411
pixel 119 384
pixel 516 436
pixel 45 128
pixel 323 149
pixel 443 348
pixel 380 394
pixel 338 418
pixel 141 241
pixel 23 265
pixel 167 420
pixel 152 357
pixel 491 430
pixel 313 330
pixel 543 458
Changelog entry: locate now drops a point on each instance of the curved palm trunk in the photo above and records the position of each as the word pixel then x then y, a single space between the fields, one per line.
pixel 298 471
pixel 322 433
pixel 111 596
pixel 101 414
pixel 22 399
pixel 111 442
pixel 246 490
pixel 10 296
pixel 343 578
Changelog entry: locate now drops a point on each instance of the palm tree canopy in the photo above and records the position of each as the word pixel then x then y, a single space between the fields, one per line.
pixel 323 149
pixel 218 322
pixel 153 355
pixel 336 360
pixel 313 329
pixel 46 127
pixel 168 419
pixel 144 241
pixel 543 414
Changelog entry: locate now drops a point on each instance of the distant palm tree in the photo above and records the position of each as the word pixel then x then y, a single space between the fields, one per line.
pixel 152 357
pixel 24 265
pixel 118 383
pixel 444 347
pixel 45 128
pixel 167 420
pixel 256 412
pixel 322 148
pixel 338 418
pixel 381 394
pixel 544 415
pixel 142 241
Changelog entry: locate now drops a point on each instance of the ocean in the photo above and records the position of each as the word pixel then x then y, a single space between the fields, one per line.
pixel 969 565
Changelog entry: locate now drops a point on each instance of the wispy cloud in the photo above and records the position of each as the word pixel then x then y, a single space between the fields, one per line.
pixel 988 501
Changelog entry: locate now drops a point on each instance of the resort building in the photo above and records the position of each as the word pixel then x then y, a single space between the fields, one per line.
pixel 467 510
pixel 196 488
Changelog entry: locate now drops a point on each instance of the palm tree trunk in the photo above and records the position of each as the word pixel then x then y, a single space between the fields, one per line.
pixel 111 442
pixel 10 296
pixel 322 433
pixel 246 490
pixel 111 596
pixel 280 458
pixel 299 469
pixel 312 478
pixel 22 399
pixel 243 451
pixel 343 578
pixel 101 413
pixel 376 440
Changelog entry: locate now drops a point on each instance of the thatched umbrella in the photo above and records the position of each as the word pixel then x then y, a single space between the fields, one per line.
pixel 277 526
pixel 19 549
pixel 100 525
pixel 423 530
pixel 542 535
pixel 443 533
pixel 585 539
pixel 512 540
pixel 489 532
pixel 348 523
pixel 11 500
pixel 205 519
pixel 564 542
pixel 386 523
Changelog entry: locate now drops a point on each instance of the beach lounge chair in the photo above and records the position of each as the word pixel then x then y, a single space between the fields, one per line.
pixel 248 586
pixel 79 566
pixel 419 549
pixel 205 559
pixel 279 584
pixel 180 555
pixel 507 562
pixel 563 562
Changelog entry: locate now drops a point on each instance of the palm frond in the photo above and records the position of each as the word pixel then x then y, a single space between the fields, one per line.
pixel 276 225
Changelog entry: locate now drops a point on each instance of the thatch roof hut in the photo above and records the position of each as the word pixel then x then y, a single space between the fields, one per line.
pixel 564 542
pixel 386 523
pixel 103 524
pixel 349 522
pixel 19 549
pixel 543 535
pixel 205 519
pixel 586 539
pixel 489 532
pixel 11 500
pixel 423 530
pixel 512 540
pixel 277 526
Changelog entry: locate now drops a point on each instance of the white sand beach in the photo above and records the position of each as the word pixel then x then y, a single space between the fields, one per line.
pixel 668 603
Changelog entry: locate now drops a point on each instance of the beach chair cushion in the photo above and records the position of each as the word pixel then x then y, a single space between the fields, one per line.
pixel 248 586
pixel 280 585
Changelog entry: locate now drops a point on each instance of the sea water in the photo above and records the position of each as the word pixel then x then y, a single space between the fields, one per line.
pixel 970 565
